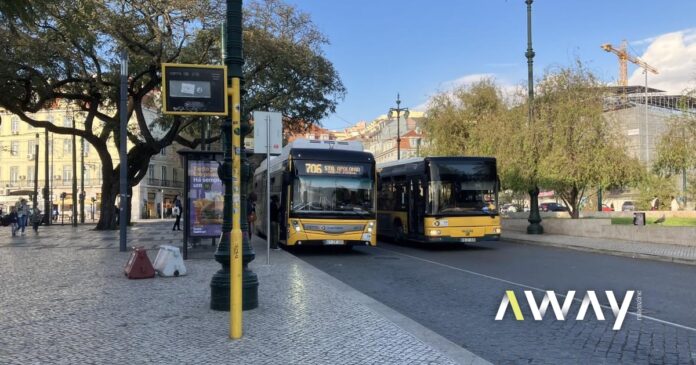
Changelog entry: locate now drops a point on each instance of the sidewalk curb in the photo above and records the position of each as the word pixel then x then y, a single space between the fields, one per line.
pixel 631 255
pixel 450 349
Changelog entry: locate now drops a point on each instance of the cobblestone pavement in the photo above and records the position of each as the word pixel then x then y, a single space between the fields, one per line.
pixel 456 292
pixel 656 251
pixel 65 300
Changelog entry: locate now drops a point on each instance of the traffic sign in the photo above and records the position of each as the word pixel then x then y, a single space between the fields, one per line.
pixel 194 89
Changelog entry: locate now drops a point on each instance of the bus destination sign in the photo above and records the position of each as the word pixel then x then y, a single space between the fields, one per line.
pixel 333 169
pixel 194 89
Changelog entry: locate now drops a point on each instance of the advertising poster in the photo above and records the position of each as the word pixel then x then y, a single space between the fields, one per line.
pixel 206 199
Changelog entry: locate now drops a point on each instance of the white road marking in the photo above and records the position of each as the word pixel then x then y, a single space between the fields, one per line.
pixel 529 287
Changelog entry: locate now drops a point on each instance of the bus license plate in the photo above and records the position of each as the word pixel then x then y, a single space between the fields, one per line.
pixel 468 239
pixel 333 242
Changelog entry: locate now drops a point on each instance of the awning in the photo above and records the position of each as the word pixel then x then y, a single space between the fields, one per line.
pixel 21 192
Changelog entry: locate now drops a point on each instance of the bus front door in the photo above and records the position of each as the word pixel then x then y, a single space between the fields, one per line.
pixel 416 208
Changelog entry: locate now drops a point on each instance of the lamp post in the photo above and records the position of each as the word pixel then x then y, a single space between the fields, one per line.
pixel 47 178
pixel 220 283
pixel 398 111
pixel 74 176
pixel 36 172
pixel 534 226
pixel 82 180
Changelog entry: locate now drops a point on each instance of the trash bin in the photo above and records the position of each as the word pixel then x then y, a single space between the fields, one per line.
pixel 638 218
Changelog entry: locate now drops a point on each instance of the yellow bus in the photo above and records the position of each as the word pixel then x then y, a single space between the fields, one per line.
pixel 326 192
pixel 439 199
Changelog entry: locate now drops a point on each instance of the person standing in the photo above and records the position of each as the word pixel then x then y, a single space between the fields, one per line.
pixel 251 213
pixel 12 217
pixel 176 211
pixel 22 215
pixel 655 203
pixel 275 220
pixel 674 204
pixel 36 219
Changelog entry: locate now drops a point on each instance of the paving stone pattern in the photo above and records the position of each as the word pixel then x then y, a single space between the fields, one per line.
pixel 65 300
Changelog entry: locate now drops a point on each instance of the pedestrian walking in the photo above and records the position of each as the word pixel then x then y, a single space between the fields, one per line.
pixel 176 211
pixel 275 220
pixel 22 215
pixel 36 219
pixel 13 219
pixel 251 213
pixel 674 204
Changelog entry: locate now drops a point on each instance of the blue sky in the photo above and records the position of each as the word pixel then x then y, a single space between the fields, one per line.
pixel 382 47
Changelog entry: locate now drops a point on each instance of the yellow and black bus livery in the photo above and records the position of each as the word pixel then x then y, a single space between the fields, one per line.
pixel 326 191
pixel 439 199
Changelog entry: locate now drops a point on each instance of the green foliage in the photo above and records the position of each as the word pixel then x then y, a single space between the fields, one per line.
pixel 655 185
pixel 569 146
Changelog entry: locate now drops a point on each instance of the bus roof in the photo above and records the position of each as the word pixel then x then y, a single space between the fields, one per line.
pixel 316 149
pixel 413 160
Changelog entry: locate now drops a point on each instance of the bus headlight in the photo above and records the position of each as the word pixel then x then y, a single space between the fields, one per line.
pixel 497 230
pixel 435 232
pixel 296 224
pixel 370 226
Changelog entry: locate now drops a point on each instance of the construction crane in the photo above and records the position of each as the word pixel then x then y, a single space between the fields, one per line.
pixel 623 57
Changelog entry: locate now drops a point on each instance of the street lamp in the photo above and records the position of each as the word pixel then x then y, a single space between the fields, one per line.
pixel 398 111
pixel 534 217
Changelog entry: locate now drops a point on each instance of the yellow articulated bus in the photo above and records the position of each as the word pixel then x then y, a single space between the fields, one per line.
pixel 326 194
pixel 439 199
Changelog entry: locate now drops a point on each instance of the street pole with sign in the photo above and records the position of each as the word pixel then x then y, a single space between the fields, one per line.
pixel 268 136
pixel 123 153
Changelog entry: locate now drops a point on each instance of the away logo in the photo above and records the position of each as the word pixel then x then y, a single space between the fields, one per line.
pixel 590 300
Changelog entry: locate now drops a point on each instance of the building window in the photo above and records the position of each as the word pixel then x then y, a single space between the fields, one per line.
pixel 163 151
pixel 67 146
pixel 14 148
pixel 14 125
pixel 67 173
pixel 30 174
pixel 151 171
pixel 87 175
pixel 67 122
pixel 14 174
pixel 164 173
pixel 31 148
pixel 175 174
pixel 85 148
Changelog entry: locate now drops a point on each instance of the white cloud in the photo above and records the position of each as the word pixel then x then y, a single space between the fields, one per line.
pixel 674 56
pixel 509 90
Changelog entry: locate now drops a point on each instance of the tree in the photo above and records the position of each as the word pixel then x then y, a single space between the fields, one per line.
pixel 583 148
pixel 65 52
pixel 675 152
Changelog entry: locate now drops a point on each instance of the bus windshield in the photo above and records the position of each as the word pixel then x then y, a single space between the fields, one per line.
pixel 462 189
pixel 326 195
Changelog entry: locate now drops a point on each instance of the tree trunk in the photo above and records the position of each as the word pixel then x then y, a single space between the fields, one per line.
pixel 109 191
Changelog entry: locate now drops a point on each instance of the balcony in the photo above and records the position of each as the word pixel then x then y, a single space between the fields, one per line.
pixel 165 183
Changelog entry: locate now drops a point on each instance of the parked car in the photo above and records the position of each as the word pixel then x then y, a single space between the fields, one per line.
pixel 628 206
pixel 552 207
pixel 511 208
pixel 606 208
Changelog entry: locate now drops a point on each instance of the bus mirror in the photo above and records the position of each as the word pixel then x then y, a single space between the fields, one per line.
pixel 286 178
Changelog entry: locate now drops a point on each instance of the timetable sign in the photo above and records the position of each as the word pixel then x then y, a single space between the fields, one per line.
pixel 194 89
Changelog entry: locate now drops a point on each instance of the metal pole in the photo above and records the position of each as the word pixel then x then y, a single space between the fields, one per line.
pixel 398 130
pixel 74 176
pixel 82 180
pixel 123 155
pixel 36 173
pixel 647 138
pixel 47 189
pixel 534 219
pixel 268 189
